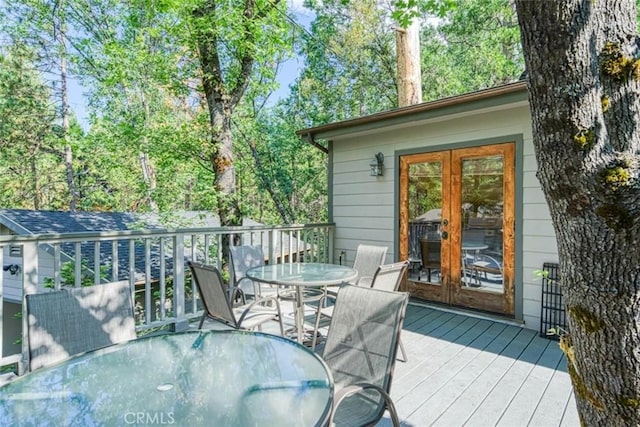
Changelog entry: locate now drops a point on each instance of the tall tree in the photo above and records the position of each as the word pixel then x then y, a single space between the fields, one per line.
pixel 26 129
pixel 237 42
pixel 131 60
pixel 583 60
pixel 289 173
pixel 42 26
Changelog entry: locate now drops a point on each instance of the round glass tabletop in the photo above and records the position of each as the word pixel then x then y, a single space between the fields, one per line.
pixel 208 378
pixel 303 274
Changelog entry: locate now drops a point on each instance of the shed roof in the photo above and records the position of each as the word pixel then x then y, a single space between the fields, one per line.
pixel 26 222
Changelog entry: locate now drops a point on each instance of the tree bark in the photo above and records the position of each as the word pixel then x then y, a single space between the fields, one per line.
pixel 409 70
pixel 584 85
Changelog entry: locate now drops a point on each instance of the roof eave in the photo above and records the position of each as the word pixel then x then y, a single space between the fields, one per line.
pixel 408 113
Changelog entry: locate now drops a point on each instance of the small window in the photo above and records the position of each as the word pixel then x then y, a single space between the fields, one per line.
pixel 15 251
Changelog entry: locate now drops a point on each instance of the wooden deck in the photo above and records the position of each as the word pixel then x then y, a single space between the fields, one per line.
pixel 470 371
pixel 466 370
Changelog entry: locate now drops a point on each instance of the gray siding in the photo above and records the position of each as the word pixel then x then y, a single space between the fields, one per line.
pixel 364 207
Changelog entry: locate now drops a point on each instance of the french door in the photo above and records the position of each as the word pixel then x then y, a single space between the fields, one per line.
pixel 457 226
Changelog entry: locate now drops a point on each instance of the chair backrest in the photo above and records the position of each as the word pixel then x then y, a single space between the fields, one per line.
pixel 389 276
pixel 368 259
pixel 362 343
pixel 430 251
pixel 213 292
pixel 474 235
pixel 242 259
pixel 71 321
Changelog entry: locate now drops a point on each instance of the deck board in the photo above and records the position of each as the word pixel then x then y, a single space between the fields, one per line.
pixel 471 371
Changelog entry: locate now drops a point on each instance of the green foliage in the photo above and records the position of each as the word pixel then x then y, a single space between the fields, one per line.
pixel 152 144
pixel 68 275
pixel 27 169
pixel 287 172
pixel 406 11
pixel 350 65
pixel 474 46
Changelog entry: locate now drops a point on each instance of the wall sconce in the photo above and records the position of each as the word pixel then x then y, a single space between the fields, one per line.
pixel 12 268
pixel 377 165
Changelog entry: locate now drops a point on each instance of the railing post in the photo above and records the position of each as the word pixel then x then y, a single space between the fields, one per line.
pixel 29 286
pixel 178 283
pixel 331 255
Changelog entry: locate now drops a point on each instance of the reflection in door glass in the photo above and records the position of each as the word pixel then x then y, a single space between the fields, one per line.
pixel 425 213
pixel 481 210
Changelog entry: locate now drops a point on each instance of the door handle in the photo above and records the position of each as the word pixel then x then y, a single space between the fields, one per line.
pixel 445 235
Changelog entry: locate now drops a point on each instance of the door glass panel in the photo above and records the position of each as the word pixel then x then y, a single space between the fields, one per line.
pixel 482 223
pixel 425 214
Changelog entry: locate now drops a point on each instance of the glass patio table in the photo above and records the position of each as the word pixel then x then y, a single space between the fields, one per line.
pixel 299 276
pixel 195 378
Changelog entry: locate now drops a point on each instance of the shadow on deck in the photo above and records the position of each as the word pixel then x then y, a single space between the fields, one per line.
pixel 470 371
pixel 466 370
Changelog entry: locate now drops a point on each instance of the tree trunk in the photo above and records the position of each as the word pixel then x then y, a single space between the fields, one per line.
pixel 222 162
pixel 409 71
pixel 149 178
pixel 286 215
pixel 222 96
pixel 60 29
pixel 35 182
pixel 68 152
pixel 583 91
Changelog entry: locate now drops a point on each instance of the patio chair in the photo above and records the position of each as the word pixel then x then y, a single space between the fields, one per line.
pixel 387 277
pixel 485 269
pixel 217 305
pixel 430 249
pixel 243 258
pixel 63 323
pixel 360 351
pixel 368 259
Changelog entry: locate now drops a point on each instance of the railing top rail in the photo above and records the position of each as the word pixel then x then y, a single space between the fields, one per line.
pixel 160 232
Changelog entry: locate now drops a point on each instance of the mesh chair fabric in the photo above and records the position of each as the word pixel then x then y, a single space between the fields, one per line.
pixel 242 259
pixel 213 294
pixel 67 322
pixel 217 306
pixel 368 259
pixel 389 276
pixel 361 346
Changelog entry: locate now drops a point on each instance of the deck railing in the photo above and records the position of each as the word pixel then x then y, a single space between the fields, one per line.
pixel 153 261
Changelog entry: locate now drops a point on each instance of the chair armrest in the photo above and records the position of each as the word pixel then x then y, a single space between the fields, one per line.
pixel 235 292
pixel 358 388
pixel 256 290
pixel 261 301
pixel 328 296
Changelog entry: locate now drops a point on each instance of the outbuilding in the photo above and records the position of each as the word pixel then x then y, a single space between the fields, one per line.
pixel 451 186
